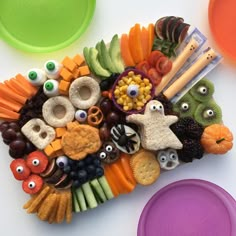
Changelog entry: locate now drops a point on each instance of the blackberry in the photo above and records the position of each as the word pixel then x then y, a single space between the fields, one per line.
pixel 192 149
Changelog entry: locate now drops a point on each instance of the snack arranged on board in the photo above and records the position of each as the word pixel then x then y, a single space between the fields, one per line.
pixel 92 127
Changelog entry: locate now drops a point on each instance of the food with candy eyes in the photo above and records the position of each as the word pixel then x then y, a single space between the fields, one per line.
pixel 62 161
pixel 52 69
pixel 19 169
pixel 33 184
pixel 51 88
pixel 36 77
pixel 37 162
pixel 125 138
pixel 108 153
pixel 168 159
pixel 81 115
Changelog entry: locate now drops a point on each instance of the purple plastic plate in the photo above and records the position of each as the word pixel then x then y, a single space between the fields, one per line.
pixel 189 208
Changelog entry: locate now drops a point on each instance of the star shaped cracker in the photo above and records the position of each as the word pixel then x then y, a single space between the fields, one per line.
pixel 154 127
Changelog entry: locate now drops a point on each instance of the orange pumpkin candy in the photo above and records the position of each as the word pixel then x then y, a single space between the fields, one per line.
pixel 217 139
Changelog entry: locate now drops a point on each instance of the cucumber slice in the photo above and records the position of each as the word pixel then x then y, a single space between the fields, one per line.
pixel 115 54
pixel 96 66
pixel 75 202
pixel 100 58
pixel 109 63
pixel 89 196
pixel 98 190
pixel 106 188
pixel 81 199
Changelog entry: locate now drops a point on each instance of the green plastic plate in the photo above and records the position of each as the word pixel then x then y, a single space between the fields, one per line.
pixel 44 25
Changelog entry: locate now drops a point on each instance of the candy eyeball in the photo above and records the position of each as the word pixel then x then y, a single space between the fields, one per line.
pixel 157 107
pixel 20 169
pixel 81 115
pixel 35 162
pixel 31 184
pixel 102 155
pixel 203 90
pixel 153 107
pixel 133 90
pixel 51 88
pixel 62 161
pixel 168 159
pixel 184 106
pixel 36 77
pixel 209 113
pixel 52 69
pixel 109 148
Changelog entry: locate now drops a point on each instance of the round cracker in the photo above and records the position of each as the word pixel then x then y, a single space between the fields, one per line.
pixel 146 169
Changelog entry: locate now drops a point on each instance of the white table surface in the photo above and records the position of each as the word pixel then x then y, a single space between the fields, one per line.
pixel 119 216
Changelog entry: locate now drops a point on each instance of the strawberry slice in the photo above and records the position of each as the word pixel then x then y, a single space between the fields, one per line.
pixel 37 162
pixel 20 169
pixel 32 184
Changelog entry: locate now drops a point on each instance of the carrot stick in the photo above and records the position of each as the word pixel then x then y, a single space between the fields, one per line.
pixel 125 50
pixel 20 78
pixel 125 163
pixel 4 90
pixel 145 42
pixel 127 186
pixel 135 44
pixel 10 86
pixel 9 104
pixel 150 37
pixel 21 87
pixel 110 179
pixel 10 114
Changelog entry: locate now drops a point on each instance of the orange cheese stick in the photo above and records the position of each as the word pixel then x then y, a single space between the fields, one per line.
pixel 203 61
pixel 4 90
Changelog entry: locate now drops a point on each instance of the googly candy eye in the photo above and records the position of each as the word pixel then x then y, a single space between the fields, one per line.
pixel 173 156
pixel 62 161
pixel 208 113
pixel 102 155
pixel 36 77
pixel 81 115
pixel 162 158
pixel 35 162
pixel 19 169
pixel 133 90
pixel 32 184
pixel 184 106
pixel 51 88
pixel 153 107
pixel 203 90
pixel 109 148
pixel 159 108
pixel 52 69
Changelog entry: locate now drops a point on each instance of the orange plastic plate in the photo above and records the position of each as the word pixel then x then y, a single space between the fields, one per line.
pixel 222 20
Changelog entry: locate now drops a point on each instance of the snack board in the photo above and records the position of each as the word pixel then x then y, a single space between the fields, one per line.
pixel 89 128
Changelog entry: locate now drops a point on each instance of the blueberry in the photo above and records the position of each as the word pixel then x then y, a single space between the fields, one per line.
pixel 97 162
pixel 70 162
pixel 67 169
pixel 82 175
pixel 91 169
pixel 88 160
pixel 99 172
pixel 73 175
pixel 76 184
pixel 80 164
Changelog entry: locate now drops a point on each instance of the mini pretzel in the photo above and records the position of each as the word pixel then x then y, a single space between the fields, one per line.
pixel 95 116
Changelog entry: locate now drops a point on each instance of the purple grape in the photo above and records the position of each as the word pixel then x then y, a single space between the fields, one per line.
pixel 105 106
pixel 7 142
pixel 4 126
pixel 17 145
pixel 14 126
pixel 29 147
pixel 112 118
pixel 15 154
pixel 19 135
pixel 9 134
